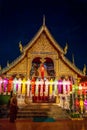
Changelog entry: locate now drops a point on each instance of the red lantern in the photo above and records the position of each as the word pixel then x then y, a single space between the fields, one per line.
pixel 33 85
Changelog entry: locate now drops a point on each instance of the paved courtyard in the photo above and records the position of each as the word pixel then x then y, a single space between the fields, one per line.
pixel 29 125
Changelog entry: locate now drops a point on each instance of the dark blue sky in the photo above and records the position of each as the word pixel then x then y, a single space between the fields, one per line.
pixel 21 19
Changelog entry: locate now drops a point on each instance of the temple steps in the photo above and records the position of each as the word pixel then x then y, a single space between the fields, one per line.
pixel 42 110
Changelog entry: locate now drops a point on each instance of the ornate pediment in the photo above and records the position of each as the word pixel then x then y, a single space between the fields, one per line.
pixel 42 45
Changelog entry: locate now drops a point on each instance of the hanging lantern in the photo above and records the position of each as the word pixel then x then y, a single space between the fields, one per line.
pixel 5 83
pixel 85 104
pixel 37 87
pixel 50 87
pixel 19 85
pixel 10 80
pixel 46 87
pixel 81 105
pixel 23 86
pixel 15 85
pixel 55 86
pixel 33 86
pixel 60 86
pixel 1 81
pixel 77 103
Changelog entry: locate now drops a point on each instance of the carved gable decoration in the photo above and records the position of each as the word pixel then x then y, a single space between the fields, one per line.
pixel 42 44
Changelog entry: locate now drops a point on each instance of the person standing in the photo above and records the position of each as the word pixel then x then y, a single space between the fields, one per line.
pixel 13 108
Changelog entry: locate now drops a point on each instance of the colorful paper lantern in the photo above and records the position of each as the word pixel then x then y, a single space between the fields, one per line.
pixel 1 81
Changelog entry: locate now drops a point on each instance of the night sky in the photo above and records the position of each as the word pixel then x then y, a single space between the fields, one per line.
pixel 65 19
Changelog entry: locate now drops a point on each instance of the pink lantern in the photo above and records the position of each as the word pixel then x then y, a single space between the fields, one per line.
pixel 60 86
pixel 5 83
pixel 1 85
pixel 85 104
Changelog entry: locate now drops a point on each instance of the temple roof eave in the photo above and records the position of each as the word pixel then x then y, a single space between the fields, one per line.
pixel 12 64
pixel 72 66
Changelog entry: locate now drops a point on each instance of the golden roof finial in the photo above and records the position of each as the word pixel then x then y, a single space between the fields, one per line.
pixel 43 20
pixel 73 59
pixel 8 64
pixel 0 67
pixel 66 48
pixel 20 46
pixel 84 69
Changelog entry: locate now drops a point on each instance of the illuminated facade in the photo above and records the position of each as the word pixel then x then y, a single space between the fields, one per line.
pixel 41 73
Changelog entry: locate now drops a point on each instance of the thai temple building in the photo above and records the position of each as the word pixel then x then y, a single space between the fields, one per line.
pixel 43 74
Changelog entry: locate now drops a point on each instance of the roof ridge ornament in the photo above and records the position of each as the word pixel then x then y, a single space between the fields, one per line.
pixel 66 48
pixel 20 47
pixel 43 20
pixel 73 60
pixel 8 64
pixel 84 69
pixel 0 67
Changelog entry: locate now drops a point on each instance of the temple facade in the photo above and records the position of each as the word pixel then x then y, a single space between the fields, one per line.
pixel 42 73
pixel 42 49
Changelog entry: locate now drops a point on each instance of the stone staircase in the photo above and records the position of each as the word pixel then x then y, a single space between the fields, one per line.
pixel 42 110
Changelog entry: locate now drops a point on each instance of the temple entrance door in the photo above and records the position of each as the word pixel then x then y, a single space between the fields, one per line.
pixel 40 91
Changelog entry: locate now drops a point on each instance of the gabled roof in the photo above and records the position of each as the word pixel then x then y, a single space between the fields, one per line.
pixel 72 66
pixel 42 29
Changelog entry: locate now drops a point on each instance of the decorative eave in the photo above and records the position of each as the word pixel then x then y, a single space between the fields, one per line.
pixel 72 66
pixel 42 29
pixel 12 64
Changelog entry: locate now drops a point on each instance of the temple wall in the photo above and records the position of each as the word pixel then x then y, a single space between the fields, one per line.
pixel 64 70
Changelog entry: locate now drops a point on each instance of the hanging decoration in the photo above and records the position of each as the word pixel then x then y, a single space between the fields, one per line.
pixel 1 81
pixel 15 85
pixel 19 86
pixel 23 86
pixel 10 80
pixel 5 83
pixel 33 86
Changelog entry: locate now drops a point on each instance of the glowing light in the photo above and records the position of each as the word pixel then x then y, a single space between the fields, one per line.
pixel 46 87
pixel 15 85
pixel 50 87
pixel 10 84
pixel 33 85
pixel 19 85
pixel 1 85
pixel 37 88
pixel 23 86
pixel 55 86
pixel 5 83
